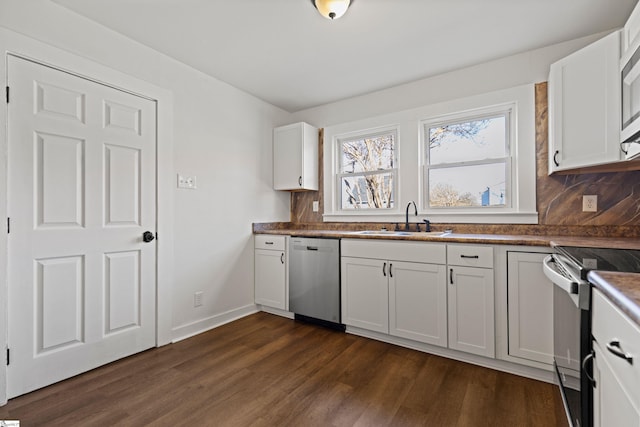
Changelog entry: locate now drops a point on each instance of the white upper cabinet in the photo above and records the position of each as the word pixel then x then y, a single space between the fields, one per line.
pixel 631 32
pixel 295 157
pixel 585 107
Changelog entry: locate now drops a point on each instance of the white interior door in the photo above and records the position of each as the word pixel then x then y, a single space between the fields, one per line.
pixel 82 190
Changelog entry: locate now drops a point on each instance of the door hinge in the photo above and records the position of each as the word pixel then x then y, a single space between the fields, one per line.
pixel 8 356
pixel 7 94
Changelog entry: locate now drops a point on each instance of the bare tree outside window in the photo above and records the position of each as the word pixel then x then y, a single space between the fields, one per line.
pixel 367 171
pixel 467 162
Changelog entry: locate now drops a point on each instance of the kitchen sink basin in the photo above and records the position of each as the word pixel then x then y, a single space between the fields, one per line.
pixel 402 233
pixel 386 232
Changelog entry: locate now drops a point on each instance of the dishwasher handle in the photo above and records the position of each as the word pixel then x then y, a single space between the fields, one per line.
pixel 312 248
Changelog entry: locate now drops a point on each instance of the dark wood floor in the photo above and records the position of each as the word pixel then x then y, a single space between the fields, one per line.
pixel 264 370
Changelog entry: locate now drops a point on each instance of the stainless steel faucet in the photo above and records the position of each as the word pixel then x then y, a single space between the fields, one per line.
pixel 406 220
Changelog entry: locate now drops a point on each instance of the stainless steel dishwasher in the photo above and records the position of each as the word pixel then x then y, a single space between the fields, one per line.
pixel 314 280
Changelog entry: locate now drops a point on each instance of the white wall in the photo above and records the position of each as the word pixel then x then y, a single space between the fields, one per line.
pixel 511 71
pixel 221 135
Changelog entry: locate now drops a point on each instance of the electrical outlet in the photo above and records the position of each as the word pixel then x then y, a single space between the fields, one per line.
pixel 590 203
pixel 315 206
pixel 188 182
pixel 197 299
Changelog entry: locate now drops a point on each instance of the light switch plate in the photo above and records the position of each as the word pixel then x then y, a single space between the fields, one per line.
pixel 187 182
pixel 315 206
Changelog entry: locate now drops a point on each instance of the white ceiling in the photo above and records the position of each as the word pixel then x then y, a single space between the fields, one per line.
pixel 285 53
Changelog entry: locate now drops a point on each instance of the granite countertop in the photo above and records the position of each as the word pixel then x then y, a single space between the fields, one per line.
pixel 497 239
pixel 622 289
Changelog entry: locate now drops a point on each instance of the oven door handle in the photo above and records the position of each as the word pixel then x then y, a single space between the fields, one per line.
pixel 586 360
pixel 568 285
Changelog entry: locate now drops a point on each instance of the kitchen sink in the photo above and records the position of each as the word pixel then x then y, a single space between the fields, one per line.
pixel 402 233
pixel 386 232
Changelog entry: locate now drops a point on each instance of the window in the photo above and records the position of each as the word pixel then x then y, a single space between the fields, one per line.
pixel 468 162
pixel 366 171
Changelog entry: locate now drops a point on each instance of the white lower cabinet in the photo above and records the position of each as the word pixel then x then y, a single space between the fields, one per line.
pixel 396 297
pixel 471 313
pixel 471 299
pixel 530 308
pixel 417 302
pixel 271 271
pixel 365 297
pixel 616 399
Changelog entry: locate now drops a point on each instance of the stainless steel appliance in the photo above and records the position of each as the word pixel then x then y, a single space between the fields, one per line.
pixel 567 268
pixel 314 280
pixel 630 130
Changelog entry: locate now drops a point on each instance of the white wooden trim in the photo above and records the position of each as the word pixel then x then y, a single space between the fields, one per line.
pixel 191 329
pixel 28 48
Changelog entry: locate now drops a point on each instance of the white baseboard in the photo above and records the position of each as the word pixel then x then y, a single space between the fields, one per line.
pixel 186 331
pixel 276 311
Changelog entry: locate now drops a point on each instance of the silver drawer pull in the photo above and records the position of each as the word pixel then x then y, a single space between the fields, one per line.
pixel 615 349
pixel 470 256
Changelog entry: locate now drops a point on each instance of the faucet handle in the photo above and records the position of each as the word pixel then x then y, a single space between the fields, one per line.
pixel 427 225
pixel 417 226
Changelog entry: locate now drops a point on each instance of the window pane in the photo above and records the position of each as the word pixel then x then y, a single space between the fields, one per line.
pixel 367 192
pixel 367 154
pixel 477 185
pixel 467 141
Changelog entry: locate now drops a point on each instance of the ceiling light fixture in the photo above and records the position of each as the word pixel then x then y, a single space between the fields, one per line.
pixel 332 9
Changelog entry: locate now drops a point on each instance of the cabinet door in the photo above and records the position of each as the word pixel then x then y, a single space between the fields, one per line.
pixel 471 310
pixel 585 107
pixel 418 302
pixel 365 293
pixel 287 157
pixel 270 278
pixel 530 308
pixel 613 405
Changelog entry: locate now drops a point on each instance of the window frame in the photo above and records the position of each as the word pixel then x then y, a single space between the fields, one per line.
pixel 506 111
pixel 339 175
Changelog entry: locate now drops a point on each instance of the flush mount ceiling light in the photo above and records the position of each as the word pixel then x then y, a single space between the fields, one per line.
pixel 332 9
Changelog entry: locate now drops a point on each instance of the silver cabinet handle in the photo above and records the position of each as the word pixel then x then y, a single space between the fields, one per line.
pixel 282 258
pixel 615 349
pixel 384 269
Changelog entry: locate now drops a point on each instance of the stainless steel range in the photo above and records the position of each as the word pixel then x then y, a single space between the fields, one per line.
pixel 567 268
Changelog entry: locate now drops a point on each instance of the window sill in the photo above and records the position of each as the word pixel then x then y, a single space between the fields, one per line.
pixel 439 217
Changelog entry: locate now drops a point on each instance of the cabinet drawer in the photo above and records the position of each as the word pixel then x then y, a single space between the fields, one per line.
pixel 610 324
pixel 470 256
pixel 269 241
pixel 431 253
